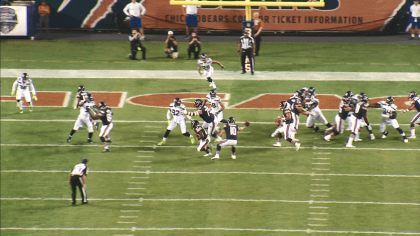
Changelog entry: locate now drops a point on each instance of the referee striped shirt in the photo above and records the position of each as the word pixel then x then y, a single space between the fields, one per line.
pixel 246 42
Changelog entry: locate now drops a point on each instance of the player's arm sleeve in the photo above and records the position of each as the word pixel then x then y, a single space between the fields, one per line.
pixel 14 86
pixel 125 10
pixel 142 10
pixel 168 114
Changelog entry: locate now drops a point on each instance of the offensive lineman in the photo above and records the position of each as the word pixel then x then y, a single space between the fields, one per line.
pixel 416 118
pixel 209 121
pixel 178 110
pixel 389 115
pixel 217 106
pixel 205 63
pixel 343 113
pixel 231 129
pixel 360 111
pixel 23 84
pixel 202 137
pixel 105 115
pixel 83 102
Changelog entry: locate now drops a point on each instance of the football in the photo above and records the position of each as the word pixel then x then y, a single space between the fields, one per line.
pixel 277 121
pixel 247 123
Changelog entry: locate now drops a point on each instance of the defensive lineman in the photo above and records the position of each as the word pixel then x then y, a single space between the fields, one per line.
pixel 202 137
pixel 217 106
pixel 416 118
pixel 205 63
pixel 24 87
pixel 105 115
pixel 77 178
pixel 288 128
pixel 178 110
pixel 312 105
pixel 389 115
pixel 84 103
pixel 231 129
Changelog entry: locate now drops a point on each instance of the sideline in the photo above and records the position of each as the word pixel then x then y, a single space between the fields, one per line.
pixel 220 75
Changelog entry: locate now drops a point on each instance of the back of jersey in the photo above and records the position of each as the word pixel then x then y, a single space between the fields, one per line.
pixel 80 169
pixel 231 131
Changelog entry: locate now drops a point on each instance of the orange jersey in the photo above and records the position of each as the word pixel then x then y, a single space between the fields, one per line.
pixel 44 10
pixel 258 24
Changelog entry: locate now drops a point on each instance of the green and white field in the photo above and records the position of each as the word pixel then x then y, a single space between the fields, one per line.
pixel 141 189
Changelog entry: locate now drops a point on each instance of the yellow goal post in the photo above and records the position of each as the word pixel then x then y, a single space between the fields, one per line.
pixel 248 4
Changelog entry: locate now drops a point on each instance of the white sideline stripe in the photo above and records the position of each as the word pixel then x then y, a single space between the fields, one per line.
pixel 169 146
pixel 206 229
pixel 153 121
pixel 220 75
pixel 215 172
pixel 216 200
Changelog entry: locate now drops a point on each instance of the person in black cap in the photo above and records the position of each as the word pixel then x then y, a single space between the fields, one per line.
pixel 247 48
pixel 78 179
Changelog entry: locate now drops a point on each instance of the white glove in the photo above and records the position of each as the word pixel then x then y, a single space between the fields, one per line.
pixel 185 112
pixel 385 115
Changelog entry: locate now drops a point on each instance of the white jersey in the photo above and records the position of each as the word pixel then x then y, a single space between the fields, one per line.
pixel 206 65
pixel 191 9
pixel 177 111
pixel 24 85
pixel 135 9
pixel 387 109
pixel 214 102
pixel 80 169
pixel 312 103
pixel 415 10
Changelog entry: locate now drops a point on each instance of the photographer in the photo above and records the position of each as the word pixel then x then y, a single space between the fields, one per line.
pixel 194 46
pixel 136 45
pixel 171 45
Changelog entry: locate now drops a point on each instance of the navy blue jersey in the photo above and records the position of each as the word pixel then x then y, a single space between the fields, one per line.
pixel 360 110
pixel 342 113
pixel 293 102
pixel 417 104
pixel 106 115
pixel 231 131
pixel 201 132
pixel 206 115
pixel 285 112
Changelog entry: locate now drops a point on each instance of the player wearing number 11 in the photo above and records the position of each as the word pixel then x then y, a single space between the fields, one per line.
pixel 178 110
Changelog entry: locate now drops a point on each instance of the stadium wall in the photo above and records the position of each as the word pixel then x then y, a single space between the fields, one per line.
pixel 337 15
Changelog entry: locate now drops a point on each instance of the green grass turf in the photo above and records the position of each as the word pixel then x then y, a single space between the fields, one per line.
pixel 274 56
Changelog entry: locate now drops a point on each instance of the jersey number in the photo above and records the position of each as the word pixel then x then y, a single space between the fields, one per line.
pixel 175 112
pixel 233 131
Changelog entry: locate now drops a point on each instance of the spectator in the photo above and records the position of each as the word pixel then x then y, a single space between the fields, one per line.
pixel 171 45
pixel 194 46
pixel 44 17
pixel 136 45
pixel 415 19
pixel 258 28
pixel 190 11
pixel 135 11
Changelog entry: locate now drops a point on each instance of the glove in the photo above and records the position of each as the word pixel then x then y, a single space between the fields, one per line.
pixel 169 122
pixel 35 97
pixel 13 92
pixel 223 67
pixel 185 112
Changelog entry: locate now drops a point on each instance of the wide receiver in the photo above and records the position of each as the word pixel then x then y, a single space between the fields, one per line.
pixel 22 85
pixel 205 63
pixel 389 115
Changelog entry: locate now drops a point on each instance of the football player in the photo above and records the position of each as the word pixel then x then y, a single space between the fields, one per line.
pixel 24 87
pixel 287 128
pixel 343 112
pixel 296 108
pixel 83 102
pixel 202 137
pixel 389 115
pixel 412 96
pixel 357 118
pixel 105 115
pixel 312 105
pixel 210 123
pixel 177 109
pixel 216 104
pixel 205 63
pixel 231 129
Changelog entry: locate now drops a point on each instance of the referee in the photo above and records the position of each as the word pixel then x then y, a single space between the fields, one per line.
pixel 247 48
pixel 78 179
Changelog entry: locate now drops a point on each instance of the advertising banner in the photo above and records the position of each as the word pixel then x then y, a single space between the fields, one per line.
pixel 337 15
pixel 13 21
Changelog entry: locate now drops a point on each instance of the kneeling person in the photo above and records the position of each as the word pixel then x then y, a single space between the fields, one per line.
pixel 202 137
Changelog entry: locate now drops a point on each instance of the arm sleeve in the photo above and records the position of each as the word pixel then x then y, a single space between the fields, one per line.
pixel 125 10
pixel 168 115
pixel 14 86
pixel 142 10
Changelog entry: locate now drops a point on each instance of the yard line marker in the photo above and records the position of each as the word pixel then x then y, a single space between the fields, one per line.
pixel 318 207
pixel 320 190
pixel 321 179
pixel 139 177
pixel 142 166
pixel 141 194
pixel 217 200
pixel 317 219
pixel 143 161
pixel 318 213
pixel 320 185
pixel 326 153
pixel 136 188
pixel 133 205
pixel 129 216
pixel 144 156
pixel 320 196
pixel 126 222
pixel 320 163
pixel 130 210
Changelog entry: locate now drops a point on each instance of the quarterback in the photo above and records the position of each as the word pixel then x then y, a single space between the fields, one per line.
pixel 23 84
pixel 205 63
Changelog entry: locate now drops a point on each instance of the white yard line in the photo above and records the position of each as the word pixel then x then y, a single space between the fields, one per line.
pixel 220 75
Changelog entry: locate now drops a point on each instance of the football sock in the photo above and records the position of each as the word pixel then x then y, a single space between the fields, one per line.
pixel 90 135
pixel 209 79
pixel 187 134
pixel 166 134
pixel 412 131
pixel 233 150
pixel 102 139
pixel 72 132
pixel 328 125
pixel 218 148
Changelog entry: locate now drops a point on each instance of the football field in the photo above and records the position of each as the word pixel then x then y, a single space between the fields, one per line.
pixel 142 189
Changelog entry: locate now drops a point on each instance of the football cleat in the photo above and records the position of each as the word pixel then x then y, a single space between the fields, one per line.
pixel 207 154
pixel 297 145
pixel 349 146
pixel 278 144
pixel 89 140
pixel 69 139
pixel 357 139
pixel 233 157
pixel 372 137
pixel 405 140
pixel 327 138
pixel 412 136
pixel 161 143
pixel 215 157
pixel 21 111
